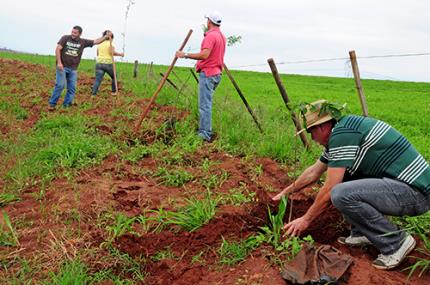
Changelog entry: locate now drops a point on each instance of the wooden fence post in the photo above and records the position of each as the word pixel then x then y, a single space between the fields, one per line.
pixel 284 95
pixel 136 64
pixel 360 90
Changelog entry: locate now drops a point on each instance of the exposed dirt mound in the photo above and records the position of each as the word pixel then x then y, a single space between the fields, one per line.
pixel 225 225
pixel 70 217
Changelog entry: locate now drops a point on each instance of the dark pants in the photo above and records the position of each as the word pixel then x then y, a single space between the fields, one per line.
pixel 364 203
pixel 101 69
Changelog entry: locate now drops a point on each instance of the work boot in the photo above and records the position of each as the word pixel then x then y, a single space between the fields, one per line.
pixel 354 241
pixel 392 260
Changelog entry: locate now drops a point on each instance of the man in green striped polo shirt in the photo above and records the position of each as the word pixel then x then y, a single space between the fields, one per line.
pixel 372 171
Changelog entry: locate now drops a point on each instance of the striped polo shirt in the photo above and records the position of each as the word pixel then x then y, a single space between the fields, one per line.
pixel 370 148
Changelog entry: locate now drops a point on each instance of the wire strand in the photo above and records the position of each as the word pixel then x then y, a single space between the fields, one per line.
pixel 336 59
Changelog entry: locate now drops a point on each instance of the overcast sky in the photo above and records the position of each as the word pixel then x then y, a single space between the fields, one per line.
pixel 282 29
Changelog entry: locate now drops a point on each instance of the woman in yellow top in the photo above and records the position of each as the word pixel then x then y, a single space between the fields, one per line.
pixel 104 63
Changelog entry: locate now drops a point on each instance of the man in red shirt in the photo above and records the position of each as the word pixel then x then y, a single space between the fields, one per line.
pixel 210 61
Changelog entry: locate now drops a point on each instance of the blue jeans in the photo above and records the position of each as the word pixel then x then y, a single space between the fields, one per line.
pixel 364 203
pixel 101 69
pixel 207 86
pixel 61 77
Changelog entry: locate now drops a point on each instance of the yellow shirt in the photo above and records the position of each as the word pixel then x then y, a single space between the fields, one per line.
pixel 104 54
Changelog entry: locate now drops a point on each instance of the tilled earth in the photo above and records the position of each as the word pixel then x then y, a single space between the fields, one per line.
pixel 49 231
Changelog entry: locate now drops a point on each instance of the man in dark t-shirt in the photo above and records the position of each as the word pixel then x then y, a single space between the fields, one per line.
pixel 68 56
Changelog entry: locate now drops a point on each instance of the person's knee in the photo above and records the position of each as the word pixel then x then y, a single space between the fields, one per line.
pixel 338 195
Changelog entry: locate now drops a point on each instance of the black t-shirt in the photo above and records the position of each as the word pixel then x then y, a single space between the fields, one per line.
pixel 72 50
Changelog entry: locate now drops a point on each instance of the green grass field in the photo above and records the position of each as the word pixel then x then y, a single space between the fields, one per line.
pixel 404 105
pixel 60 159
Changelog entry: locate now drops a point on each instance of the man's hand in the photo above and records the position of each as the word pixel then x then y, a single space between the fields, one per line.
pixel 281 194
pixel 297 226
pixel 180 54
pixel 60 66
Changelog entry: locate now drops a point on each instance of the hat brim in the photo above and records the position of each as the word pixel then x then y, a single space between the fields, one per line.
pixel 320 121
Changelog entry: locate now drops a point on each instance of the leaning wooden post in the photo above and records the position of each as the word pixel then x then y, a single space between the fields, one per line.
pixel 242 97
pixel 194 75
pixel 169 81
pixel 113 64
pixel 161 84
pixel 136 64
pixel 284 95
pixel 360 90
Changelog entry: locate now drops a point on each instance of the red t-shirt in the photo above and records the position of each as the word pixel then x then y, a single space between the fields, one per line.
pixel 215 41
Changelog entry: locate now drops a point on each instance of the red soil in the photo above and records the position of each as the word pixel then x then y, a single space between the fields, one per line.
pixel 128 191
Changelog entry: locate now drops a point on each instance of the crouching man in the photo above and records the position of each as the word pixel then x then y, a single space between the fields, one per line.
pixel 372 171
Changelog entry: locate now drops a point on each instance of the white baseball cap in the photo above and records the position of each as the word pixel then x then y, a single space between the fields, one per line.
pixel 215 17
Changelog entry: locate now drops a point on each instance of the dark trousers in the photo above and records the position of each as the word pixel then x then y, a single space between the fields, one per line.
pixel 101 69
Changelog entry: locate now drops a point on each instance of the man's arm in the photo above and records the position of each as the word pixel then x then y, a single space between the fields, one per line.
pixel 309 176
pixel 204 54
pixel 58 56
pixel 321 203
pixel 100 40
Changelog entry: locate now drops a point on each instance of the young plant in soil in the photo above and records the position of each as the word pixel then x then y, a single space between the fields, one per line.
pixel 137 152
pixel 128 265
pixel 8 235
pixel 7 198
pixel 198 258
pixel 214 181
pixel 163 254
pixel 71 272
pixel 272 234
pixel 231 253
pixel 197 213
pixel 191 217
pixel 121 225
pixel 237 196
pixel 173 178
pixel 422 263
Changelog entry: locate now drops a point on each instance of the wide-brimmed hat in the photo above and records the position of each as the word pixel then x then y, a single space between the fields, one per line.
pixel 314 117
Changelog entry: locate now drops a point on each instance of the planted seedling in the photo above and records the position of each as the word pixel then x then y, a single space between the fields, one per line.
pixel 233 252
pixel 197 213
pixel 8 236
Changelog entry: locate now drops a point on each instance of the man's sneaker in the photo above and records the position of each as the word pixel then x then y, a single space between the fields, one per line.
pixel 392 260
pixel 51 108
pixel 354 241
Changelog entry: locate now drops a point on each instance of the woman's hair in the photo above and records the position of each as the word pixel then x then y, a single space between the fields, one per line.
pixel 105 33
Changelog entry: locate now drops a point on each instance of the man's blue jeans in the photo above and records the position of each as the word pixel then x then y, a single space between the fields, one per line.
pixel 101 69
pixel 207 86
pixel 364 203
pixel 69 76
